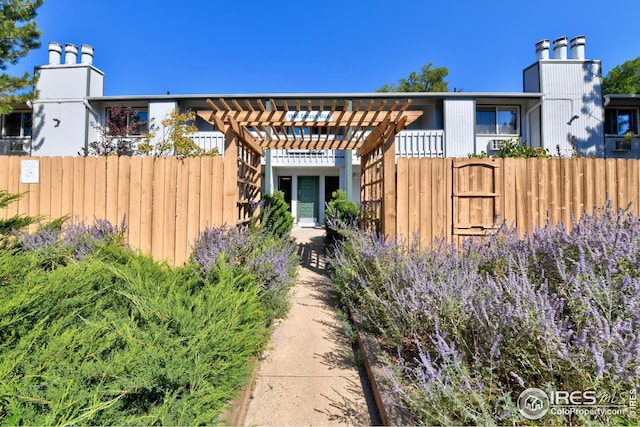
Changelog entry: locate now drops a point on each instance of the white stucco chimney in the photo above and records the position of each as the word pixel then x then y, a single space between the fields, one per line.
pixel 542 49
pixel 577 47
pixel 55 52
pixel 70 53
pixel 87 54
pixel 560 48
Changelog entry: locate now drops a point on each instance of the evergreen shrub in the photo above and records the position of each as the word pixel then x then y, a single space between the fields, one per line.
pixel 340 212
pixel 275 217
pixel 117 339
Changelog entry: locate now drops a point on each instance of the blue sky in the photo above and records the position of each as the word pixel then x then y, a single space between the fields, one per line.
pixel 149 47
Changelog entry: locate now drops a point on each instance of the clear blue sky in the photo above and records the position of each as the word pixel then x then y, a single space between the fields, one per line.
pixel 149 47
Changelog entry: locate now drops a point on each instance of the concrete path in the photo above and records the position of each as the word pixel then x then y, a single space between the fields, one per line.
pixel 308 375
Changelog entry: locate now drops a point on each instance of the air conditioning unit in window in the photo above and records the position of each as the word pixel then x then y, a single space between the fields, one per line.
pixel 622 145
pixel 496 144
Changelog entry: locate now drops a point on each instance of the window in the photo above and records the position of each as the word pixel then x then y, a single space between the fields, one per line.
pixel 16 124
pixel 619 121
pixel 497 120
pixel 127 121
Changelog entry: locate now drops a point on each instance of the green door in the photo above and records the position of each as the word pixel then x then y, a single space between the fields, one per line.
pixel 308 195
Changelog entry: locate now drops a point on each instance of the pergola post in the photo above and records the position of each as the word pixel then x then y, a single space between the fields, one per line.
pixel 268 173
pixel 348 172
pixel 389 186
pixel 230 181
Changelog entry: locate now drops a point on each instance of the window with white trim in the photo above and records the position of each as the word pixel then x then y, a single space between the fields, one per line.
pixel 619 121
pixel 16 125
pixel 498 120
pixel 133 121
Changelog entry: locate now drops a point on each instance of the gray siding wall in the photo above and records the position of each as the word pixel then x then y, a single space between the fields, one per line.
pixel 459 127
pixel 531 78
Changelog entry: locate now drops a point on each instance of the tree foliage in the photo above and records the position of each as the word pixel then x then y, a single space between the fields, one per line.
pixel 115 135
pixel 428 80
pixel 175 138
pixel 623 79
pixel 18 35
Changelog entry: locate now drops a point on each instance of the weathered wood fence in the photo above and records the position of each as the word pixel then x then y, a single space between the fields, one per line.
pixel 456 198
pixel 167 201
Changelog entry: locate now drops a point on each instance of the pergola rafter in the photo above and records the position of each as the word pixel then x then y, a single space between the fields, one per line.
pixel 250 127
pixel 274 126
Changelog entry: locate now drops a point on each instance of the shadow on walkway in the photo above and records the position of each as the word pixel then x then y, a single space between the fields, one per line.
pixel 312 254
pixel 311 251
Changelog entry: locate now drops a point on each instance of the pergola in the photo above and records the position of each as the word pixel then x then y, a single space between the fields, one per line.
pixel 251 126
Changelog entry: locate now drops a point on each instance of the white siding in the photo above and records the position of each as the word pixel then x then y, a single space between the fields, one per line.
pixel 573 89
pixel 459 127
pixel 58 128
pixel 533 130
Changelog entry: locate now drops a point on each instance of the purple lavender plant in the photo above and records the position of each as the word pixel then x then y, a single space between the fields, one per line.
pixel 71 241
pixel 269 259
pixel 558 308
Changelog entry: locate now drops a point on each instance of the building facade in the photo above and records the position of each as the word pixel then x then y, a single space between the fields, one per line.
pixel 560 109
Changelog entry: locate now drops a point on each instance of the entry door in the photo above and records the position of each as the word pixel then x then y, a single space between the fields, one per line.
pixel 308 192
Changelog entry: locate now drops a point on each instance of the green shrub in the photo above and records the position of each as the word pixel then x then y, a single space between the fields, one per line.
pixel 340 211
pixel 270 260
pixel 513 148
pixel 275 216
pixel 119 339
pixel 10 225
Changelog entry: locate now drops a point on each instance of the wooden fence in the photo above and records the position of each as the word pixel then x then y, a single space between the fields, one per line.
pixel 456 198
pixel 167 201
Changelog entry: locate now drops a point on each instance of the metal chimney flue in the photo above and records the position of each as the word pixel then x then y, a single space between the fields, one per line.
pixel 70 53
pixel 542 49
pixel 577 47
pixel 560 48
pixel 55 52
pixel 87 54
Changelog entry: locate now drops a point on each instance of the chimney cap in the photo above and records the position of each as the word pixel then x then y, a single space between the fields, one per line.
pixel 578 40
pixel 87 54
pixel 560 41
pixel 55 46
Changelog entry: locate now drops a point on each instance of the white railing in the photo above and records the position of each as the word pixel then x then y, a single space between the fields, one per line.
pixel 307 157
pixel 409 143
pixel 420 143
pixel 209 140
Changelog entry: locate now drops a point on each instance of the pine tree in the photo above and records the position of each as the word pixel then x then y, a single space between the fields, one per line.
pixel 18 35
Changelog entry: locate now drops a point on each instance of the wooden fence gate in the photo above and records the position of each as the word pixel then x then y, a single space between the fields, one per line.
pixel 476 196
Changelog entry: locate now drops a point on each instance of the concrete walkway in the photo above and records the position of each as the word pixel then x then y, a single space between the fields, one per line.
pixel 308 375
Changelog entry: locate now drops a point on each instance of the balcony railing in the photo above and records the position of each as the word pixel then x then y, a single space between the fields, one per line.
pixel 420 143
pixel 307 157
pixel 409 143
pixel 209 140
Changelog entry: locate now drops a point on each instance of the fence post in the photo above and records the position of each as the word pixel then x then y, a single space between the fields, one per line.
pixel 230 179
pixel 389 183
